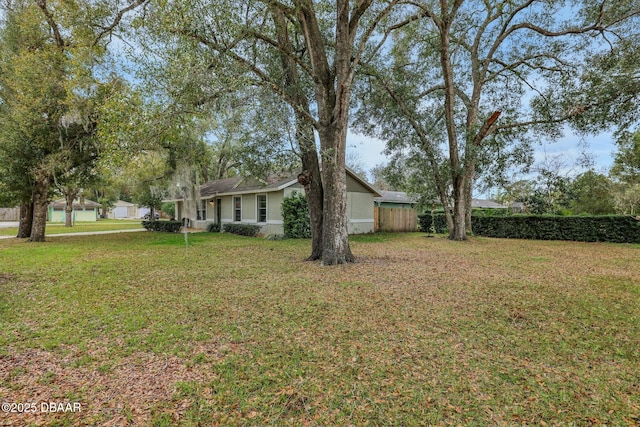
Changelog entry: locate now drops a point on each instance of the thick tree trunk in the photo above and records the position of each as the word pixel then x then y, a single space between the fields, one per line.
pixel 447 213
pixel 333 84
pixel 334 113
pixel 314 194
pixel 335 239
pixel 468 196
pixel 40 205
pixel 26 220
pixel 311 179
pixel 335 236
pixel 458 232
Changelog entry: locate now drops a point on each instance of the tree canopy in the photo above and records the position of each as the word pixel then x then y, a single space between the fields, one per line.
pixel 49 91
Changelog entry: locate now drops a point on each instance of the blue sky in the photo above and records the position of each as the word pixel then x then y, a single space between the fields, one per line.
pixel 570 147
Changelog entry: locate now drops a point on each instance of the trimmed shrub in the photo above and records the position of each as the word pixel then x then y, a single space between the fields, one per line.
pixel 583 228
pixel 436 223
pixel 213 227
pixel 163 226
pixel 249 230
pixel 295 216
pixel 613 228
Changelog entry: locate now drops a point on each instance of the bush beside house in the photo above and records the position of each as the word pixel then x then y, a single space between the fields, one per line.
pixel 163 226
pixel 295 216
pixel 242 229
pixel 213 227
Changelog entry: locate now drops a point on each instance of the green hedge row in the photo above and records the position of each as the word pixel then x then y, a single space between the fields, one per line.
pixel 164 226
pixel 242 229
pixel 213 227
pixel 614 228
pixel 436 223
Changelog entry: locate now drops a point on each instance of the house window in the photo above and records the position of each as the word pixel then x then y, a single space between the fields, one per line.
pixel 262 207
pixel 237 208
pixel 202 210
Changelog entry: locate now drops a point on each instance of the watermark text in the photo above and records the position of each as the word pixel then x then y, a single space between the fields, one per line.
pixel 40 407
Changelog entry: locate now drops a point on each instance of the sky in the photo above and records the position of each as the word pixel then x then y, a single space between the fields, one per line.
pixel 601 147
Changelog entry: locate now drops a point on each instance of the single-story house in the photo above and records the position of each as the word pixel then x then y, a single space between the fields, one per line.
pixel 122 209
pixel 476 204
pixel 87 211
pixel 243 200
pixel 394 199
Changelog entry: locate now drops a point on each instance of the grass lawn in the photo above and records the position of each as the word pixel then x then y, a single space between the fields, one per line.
pixel 140 329
pixel 80 227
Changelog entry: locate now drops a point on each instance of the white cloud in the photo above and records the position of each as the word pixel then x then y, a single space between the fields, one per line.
pixel 370 150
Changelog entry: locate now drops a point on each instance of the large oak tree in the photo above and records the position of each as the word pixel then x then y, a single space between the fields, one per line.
pixel 307 53
pixel 455 81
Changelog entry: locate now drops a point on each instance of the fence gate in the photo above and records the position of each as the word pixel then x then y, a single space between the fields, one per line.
pixel 395 219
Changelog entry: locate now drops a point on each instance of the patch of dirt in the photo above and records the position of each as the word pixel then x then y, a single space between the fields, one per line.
pixel 6 278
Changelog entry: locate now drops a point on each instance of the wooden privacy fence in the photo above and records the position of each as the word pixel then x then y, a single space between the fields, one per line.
pixel 395 219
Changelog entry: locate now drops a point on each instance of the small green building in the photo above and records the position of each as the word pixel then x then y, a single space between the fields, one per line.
pixel 82 211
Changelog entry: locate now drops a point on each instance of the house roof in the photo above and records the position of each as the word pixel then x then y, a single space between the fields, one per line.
pixel 212 188
pixel 241 185
pixel 88 204
pixel 393 197
pixel 486 204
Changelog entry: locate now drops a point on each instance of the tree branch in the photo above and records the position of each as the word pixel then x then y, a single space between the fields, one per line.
pixel 356 14
pixel 315 44
pixel 262 77
pixel 60 43
pixel 486 128
pixel 429 13
pixel 109 28
pixel 367 34
pixel 288 52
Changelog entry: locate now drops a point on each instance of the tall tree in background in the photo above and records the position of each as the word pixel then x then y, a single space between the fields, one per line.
pixel 626 163
pixel 32 101
pixel 626 172
pixel 592 193
pixel 455 80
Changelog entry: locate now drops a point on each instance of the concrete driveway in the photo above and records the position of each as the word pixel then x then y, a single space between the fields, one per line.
pixel 9 224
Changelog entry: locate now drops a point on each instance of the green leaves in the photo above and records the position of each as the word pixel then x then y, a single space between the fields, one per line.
pixel 626 166
pixel 615 229
pixel 295 215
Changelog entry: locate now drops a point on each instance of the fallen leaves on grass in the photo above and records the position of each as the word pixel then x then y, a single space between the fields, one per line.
pixel 124 395
pixel 234 331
